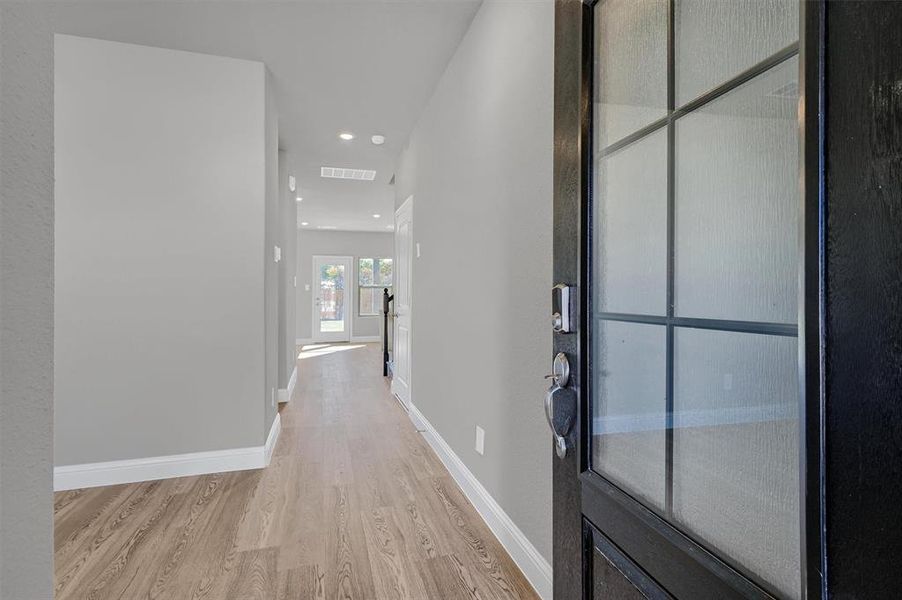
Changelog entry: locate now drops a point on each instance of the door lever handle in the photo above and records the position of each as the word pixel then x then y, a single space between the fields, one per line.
pixel 562 427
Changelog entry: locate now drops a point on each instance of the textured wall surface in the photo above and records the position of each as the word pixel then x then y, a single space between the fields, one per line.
pixel 26 304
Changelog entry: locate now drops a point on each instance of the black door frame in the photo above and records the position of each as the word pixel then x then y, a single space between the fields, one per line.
pixel 683 567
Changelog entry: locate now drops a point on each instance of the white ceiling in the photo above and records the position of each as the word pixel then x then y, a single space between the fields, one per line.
pixel 367 66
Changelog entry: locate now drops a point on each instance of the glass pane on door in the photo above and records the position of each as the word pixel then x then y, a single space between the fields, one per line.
pixel 332 313
pixel 631 228
pixel 737 201
pixel 629 415
pixel 693 255
pixel 716 40
pixel 631 67
pixel 736 448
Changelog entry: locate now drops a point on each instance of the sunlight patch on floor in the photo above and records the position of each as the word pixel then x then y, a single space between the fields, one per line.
pixel 314 346
pixel 314 350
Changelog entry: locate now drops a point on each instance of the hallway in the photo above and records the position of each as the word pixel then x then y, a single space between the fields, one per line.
pixel 354 505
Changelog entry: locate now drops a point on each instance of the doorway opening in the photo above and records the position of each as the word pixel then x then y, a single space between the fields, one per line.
pixel 331 305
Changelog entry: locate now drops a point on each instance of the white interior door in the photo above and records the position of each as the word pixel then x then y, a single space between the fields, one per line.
pixel 400 385
pixel 332 302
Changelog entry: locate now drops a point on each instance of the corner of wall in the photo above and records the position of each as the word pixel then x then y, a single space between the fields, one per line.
pixel 26 303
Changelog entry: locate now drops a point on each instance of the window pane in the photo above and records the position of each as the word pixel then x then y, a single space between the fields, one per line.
pixel 737 203
pixel 716 40
pixel 371 300
pixel 332 298
pixel 736 449
pixel 631 67
pixel 366 300
pixel 629 408
pixel 631 228
pixel 384 271
pixel 365 272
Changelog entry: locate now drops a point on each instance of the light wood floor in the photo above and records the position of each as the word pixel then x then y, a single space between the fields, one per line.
pixel 354 505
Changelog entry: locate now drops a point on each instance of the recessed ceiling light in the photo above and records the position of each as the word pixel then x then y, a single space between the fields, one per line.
pixel 389 226
pixel 378 139
pixel 340 173
pixel 300 199
pixel 346 136
pixel 304 223
pixel 376 216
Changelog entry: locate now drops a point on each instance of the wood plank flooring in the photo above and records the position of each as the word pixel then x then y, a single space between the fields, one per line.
pixel 354 505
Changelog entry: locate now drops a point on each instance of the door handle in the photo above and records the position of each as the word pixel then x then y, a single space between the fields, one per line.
pixel 561 425
pixel 559 431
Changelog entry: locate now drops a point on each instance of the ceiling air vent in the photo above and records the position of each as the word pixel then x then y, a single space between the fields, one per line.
pixel 355 174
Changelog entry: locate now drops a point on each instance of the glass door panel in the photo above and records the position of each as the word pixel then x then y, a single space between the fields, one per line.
pixel 693 255
pixel 716 40
pixel 737 199
pixel 631 227
pixel 735 448
pixel 629 416
pixel 332 308
pixel 631 67
pixel 332 296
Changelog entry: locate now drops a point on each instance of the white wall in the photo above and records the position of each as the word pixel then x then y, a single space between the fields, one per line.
pixel 337 243
pixel 273 238
pixel 26 304
pixel 160 160
pixel 287 273
pixel 479 165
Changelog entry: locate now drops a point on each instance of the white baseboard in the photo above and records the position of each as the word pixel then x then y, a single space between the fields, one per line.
pixel 534 566
pixel 419 421
pixel 273 437
pixel 114 472
pixel 365 339
pixel 286 394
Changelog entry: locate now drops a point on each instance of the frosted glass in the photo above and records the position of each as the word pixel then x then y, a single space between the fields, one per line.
pixel 630 67
pixel 631 228
pixel 716 40
pixel 629 408
pixel 736 450
pixel 737 203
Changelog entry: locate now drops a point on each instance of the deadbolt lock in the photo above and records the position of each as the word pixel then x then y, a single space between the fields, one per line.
pixel 561 313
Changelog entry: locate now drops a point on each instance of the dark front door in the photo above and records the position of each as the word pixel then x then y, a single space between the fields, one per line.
pixel 685 464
